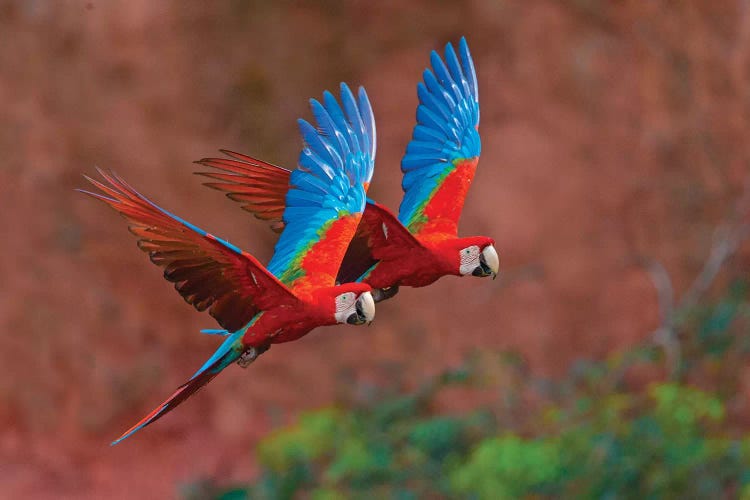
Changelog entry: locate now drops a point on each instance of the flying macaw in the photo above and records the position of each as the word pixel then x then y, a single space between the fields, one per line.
pixel 421 244
pixel 258 306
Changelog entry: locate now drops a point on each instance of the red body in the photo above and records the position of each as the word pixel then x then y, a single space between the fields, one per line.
pixel 285 323
pixel 422 266
pixel 254 307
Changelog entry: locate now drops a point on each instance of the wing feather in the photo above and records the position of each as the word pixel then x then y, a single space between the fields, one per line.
pixel 441 158
pixel 318 226
pixel 261 187
pixel 208 272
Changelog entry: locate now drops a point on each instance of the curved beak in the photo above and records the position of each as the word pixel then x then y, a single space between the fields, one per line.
pixel 365 310
pixel 489 263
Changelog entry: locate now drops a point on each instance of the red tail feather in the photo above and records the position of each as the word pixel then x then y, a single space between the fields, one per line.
pixel 181 394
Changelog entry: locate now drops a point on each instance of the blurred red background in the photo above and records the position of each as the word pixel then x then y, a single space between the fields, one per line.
pixel 611 130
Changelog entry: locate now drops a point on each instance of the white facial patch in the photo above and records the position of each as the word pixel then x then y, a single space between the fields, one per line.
pixel 346 305
pixel 469 260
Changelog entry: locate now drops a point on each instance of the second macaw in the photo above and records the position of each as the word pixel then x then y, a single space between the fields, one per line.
pixel 422 243
pixel 255 306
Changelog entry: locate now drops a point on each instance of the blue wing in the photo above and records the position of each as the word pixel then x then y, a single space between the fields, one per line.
pixel 445 138
pixel 327 190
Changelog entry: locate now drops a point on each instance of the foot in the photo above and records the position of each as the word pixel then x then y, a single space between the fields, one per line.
pixel 250 355
pixel 379 294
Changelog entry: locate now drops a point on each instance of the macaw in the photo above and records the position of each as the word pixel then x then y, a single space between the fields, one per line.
pixel 421 244
pixel 257 306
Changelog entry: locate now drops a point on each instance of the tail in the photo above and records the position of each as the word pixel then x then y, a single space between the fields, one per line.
pixel 180 395
pixel 227 353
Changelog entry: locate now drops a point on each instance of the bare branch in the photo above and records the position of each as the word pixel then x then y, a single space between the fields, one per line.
pixel 726 241
pixel 664 289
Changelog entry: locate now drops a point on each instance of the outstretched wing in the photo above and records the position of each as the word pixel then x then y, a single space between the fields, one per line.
pixel 442 156
pixel 327 191
pixel 207 271
pixel 261 187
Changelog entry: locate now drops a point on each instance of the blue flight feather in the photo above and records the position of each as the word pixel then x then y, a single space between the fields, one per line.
pixel 328 158
pixel 446 129
pixel 337 158
pixel 350 143
pixel 215 331
pixel 354 117
pixel 330 130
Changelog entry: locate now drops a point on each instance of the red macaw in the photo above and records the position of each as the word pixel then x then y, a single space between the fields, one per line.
pixel 421 244
pixel 258 306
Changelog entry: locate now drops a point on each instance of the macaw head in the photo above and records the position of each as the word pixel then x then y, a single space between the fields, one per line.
pixel 354 304
pixel 477 256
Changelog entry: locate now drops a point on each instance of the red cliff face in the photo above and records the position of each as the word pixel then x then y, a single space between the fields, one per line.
pixel 609 132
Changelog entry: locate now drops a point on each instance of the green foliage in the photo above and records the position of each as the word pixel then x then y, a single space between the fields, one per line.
pixel 663 451
pixel 592 435
pixel 310 439
pixel 508 467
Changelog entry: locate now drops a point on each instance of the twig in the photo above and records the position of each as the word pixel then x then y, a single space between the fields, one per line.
pixel 665 335
pixel 726 241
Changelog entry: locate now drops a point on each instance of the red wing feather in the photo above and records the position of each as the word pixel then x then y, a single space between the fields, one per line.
pixel 261 187
pixel 442 210
pixel 207 271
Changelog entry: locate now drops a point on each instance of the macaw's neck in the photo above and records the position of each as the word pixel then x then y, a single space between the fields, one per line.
pixel 415 267
pixel 446 260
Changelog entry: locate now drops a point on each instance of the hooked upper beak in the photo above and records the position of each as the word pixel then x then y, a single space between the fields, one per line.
pixel 489 263
pixel 365 310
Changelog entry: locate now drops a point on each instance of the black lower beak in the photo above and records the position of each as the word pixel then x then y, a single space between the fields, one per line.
pixel 355 319
pixel 482 270
pixel 358 317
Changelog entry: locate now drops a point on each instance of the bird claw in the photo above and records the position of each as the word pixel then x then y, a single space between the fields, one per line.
pixel 379 294
pixel 247 357
pixel 250 355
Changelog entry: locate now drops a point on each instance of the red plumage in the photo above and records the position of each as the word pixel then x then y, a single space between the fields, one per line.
pixel 248 301
pixel 393 255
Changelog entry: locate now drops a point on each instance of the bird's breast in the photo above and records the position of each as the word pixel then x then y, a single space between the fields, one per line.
pixel 413 268
pixel 279 325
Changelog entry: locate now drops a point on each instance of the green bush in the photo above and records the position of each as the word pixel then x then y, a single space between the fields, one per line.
pixel 594 435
